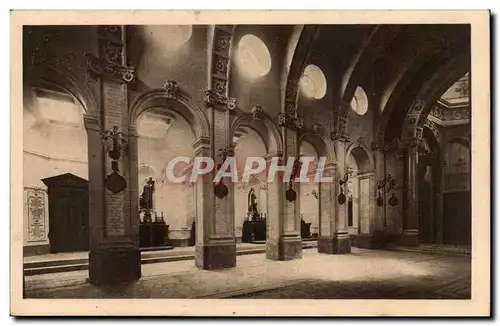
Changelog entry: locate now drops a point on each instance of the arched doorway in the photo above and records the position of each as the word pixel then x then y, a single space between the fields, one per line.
pixel 164 135
pixel 360 194
pixel 309 195
pixel 250 198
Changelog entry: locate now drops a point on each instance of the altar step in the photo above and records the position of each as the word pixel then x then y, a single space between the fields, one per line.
pixel 79 261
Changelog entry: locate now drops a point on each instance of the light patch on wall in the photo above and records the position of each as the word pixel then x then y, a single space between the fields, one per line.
pixel 359 102
pixel 57 111
pixel 253 57
pixel 167 37
pixel 313 82
pixel 153 126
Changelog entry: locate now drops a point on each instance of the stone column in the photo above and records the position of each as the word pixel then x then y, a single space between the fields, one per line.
pixel 327 244
pixel 285 242
pixel 216 247
pixel 342 240
pixel 410 236
pixel 380 223
pixel 114 249
pixel 438 201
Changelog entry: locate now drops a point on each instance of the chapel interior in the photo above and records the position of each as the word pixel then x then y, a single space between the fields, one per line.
pixel 388 106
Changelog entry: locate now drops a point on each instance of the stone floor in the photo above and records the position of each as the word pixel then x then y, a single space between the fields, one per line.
pixel 363 274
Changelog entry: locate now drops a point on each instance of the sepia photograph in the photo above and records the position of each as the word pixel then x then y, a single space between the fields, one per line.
pixel 226 156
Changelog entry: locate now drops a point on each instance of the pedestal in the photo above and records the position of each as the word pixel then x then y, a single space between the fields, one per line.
pixel 286 248
pixel 409 238
pixel 340 243
pixel 215 256
pixel 114 265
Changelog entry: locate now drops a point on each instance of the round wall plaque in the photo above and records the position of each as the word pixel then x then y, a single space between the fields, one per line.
pixel 115 183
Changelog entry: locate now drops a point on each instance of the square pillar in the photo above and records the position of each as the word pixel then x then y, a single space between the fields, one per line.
pixel 284 241
pixel 215 238
pixel 410 236
pixel 113 216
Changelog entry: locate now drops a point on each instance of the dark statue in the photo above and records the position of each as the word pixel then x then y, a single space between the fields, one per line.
pixel 252 204
pixel 146 200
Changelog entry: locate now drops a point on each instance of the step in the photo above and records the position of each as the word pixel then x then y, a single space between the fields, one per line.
pixel 54 266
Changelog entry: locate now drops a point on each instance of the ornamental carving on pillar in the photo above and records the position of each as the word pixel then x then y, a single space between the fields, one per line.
pixel 291 118
pixel 103 67
pixel 216 100
pixel 220 189
pixel 316 129
pixel 114 143
pixel 109 62
pixel 257 112
pixel 171 89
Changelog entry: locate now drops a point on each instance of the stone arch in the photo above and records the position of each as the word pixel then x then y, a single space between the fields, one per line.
pixel 322 145
pixel 433 129
pixel 430 94
pixel 264 126
pixel 300 54
pixel 362 157
pixel 177 102
pixel 423 88
pixel 61 78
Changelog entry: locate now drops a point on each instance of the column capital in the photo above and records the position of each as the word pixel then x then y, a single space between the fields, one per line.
pixel 290 118
pixel 91 123
pixel 213 99
pixel 201 144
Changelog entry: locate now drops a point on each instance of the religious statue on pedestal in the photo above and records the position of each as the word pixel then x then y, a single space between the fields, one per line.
pixel 146 199
pixel 253 211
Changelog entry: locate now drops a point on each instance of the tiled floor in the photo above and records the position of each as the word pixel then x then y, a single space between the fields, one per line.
pixel 362 274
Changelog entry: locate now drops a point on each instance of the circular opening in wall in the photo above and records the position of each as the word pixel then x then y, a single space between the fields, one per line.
pixel 253 57
pixel 168 37
pixel 313 82
pixel 359 102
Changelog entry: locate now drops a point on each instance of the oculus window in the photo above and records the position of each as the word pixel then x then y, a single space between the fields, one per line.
pixel 313 82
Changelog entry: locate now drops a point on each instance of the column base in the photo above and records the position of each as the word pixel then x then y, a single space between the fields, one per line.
pixel 338 244
pixel 215 256
pixel 409 238
pixel 114 265
pixel 370 241
pixel 287 248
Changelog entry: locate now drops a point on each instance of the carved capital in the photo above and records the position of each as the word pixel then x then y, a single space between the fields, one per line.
pixel 216 100
pixel 102 67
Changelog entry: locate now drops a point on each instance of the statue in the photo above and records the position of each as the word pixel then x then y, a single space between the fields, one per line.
pixel 146 200
pixel 252 204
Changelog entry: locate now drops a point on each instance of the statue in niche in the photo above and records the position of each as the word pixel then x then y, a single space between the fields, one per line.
pixel 253 211
pixel 146 200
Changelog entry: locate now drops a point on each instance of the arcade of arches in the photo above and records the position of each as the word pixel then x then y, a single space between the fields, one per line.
pixel 387 106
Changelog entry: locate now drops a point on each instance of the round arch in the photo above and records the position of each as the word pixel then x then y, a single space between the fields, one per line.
pixel 322 145
pixel 180 104
pixel 423 91
pixel 61 78
pixel 362 156
pixel 264 127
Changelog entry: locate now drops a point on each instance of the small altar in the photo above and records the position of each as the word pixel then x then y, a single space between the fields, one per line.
pixel 153 232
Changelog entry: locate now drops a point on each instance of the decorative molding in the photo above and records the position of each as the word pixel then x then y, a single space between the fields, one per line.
pixel 214 99
pixel 102 67
pixel 111 53
pixel 447 117
pixel 291 118
pixel 257 112
pixel 171 89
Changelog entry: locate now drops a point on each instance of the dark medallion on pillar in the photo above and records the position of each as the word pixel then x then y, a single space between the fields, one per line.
pixel 114 142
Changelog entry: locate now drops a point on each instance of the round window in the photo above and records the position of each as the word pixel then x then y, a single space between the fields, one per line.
pixel 359 102
pixel 253 57
pixel 313 82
